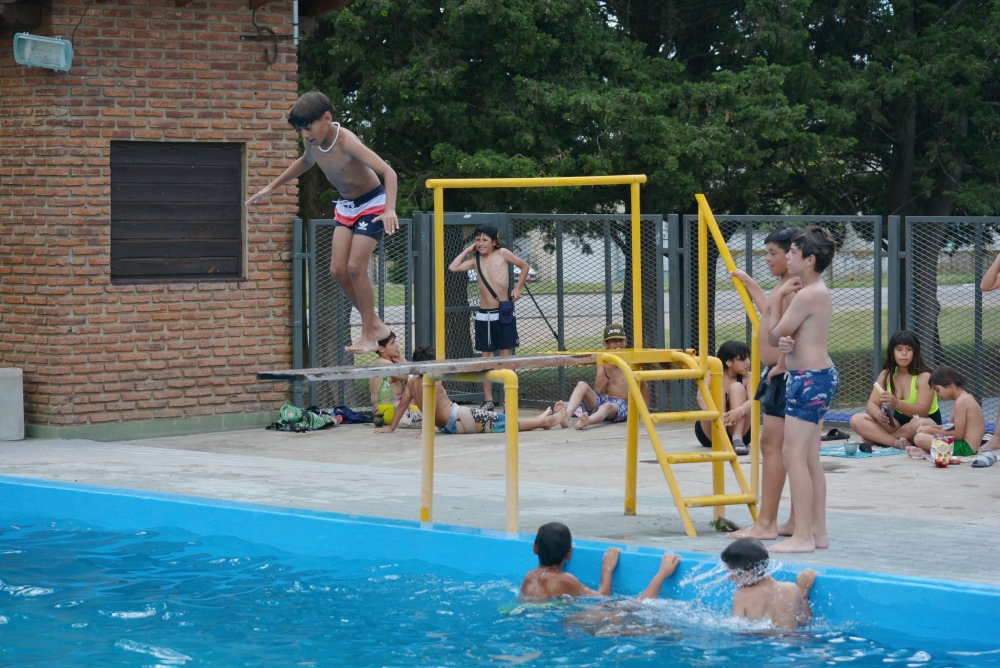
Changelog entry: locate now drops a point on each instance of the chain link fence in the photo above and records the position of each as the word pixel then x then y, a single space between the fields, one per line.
pixel 858 267
pixel 957 323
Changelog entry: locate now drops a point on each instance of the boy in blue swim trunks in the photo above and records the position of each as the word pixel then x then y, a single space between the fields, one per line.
pixel 451 418
pixel 365 209
pixel 608 399
pixel 811 382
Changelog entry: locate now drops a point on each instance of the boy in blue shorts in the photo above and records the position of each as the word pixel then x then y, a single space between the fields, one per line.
pixel 811 383
pixel 608 399
pixel 365 209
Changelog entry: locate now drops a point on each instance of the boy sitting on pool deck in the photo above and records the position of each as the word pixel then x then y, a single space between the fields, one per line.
pixel 758 595
pixel 454 419
pixel 967 418
pixel 608 399
pixel 554 546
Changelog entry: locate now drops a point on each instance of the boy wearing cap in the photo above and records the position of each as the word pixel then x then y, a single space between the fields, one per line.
pixel 608 399
pixel 496 328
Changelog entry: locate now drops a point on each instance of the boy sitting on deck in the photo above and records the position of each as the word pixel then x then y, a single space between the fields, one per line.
pixel 454 419
pixel 608 399
pixel 758 595
pixel 389 354
pixel 554 546
pixel 968 423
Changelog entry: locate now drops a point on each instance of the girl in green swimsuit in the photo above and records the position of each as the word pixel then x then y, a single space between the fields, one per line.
pixel 907 395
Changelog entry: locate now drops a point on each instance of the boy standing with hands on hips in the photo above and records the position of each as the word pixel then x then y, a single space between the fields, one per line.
pixel 365 209
pixel 812 382
pixel 496 328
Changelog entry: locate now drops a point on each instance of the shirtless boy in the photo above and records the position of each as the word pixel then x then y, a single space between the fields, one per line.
pixel 492 332
pixel 554 546
pixel 968 422
pixel 365 209
pixel 811 383
pixel 608 399
pixel 760 596
pixel 770 393
pixel 454 419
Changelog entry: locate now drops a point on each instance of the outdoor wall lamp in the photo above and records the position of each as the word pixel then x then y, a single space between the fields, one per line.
pixel 49 52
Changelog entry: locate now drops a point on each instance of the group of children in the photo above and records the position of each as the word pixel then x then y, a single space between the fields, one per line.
pixel 758 595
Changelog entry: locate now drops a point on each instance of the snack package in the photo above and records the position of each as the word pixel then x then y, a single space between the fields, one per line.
pixel 942 449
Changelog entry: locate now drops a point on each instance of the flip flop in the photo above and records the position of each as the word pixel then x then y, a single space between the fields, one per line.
pixel 835 435
pixel 984 459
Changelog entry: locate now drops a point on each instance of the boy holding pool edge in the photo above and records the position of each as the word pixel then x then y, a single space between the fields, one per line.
pixel 760 596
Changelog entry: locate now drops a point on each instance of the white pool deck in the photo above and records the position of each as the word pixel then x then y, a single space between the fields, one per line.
pixel 886 514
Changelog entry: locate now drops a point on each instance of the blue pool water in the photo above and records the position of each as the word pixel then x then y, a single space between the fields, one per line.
pixel 117 581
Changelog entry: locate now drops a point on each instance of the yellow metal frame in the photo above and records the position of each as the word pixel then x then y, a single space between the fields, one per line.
pixel 700 368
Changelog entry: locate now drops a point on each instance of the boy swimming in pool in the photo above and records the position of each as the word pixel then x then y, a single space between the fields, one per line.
pixel 554 546
pixel 758 595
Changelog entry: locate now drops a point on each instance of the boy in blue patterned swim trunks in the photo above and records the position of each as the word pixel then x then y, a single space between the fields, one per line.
pixel 608 399
pixel 811 382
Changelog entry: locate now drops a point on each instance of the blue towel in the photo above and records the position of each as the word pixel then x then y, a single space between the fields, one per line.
pixel 838 451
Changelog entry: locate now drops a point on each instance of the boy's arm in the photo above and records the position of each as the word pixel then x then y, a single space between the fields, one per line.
pixel 608 565
pixel 515 294
pixel 804 581
pixel 601 379
pixel 460 263
pixel 756 292
pixel 785 322
pixel 357 150
pixel 295 170
pixel 991 279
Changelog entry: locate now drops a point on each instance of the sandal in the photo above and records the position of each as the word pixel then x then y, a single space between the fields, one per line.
pixel 835 435
pixel 741 448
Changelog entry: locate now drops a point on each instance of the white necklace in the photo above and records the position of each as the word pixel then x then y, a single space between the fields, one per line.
pixel 335 138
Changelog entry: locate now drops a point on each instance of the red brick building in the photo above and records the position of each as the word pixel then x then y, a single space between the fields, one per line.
pixel 136 293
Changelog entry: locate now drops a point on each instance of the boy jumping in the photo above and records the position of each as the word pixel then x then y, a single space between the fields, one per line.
pixel 554 546
pixel 811 385
pixel 365 209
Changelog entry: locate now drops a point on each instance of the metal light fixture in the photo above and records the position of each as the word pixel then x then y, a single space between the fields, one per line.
pixel 49 52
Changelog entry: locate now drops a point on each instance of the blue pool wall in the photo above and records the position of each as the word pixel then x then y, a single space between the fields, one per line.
pixel 917 606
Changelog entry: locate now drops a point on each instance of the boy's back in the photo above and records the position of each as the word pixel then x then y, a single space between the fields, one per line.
pixel 780 602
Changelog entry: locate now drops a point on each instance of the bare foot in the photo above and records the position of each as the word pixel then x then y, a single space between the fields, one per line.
pixel 549 418
pixel 563 414
pixel 754 531
pixel 794 544
pixel 901 444
pixel 914 452
pixel 822 541
pixel 363 345
pixel 583 420
pixel 786 529
pixel 381 331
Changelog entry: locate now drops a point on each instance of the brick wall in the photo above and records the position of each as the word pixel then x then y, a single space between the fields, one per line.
pixel 95 353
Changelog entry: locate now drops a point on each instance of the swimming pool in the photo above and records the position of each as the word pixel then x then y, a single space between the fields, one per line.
pixel 150 579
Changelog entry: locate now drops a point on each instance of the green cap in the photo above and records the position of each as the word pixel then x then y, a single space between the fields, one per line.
pixel 614 332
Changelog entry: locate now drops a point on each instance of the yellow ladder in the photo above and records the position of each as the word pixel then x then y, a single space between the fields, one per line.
pixel 722 449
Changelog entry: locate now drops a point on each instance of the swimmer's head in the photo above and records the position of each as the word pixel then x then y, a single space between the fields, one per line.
pixel 308 109
pixel 553 544
pixel 747 560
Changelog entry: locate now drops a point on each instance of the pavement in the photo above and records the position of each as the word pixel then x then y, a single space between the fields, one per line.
pixel 887 514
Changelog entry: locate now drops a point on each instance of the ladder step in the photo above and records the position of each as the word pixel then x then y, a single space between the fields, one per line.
pixel 699 457
pixel 683 416
pixel 719 500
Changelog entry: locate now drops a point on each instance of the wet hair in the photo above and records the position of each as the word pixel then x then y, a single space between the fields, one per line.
pixel 424 354
pixel 945 375
pixel 903 337
pixel 732 350
pixel 382 343
pixel 782 238
pixel 308 109
pixel 817 242
pixel 553 542
pixel 746 554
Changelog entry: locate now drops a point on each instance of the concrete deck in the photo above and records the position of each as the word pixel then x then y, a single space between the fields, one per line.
pixel 887 514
